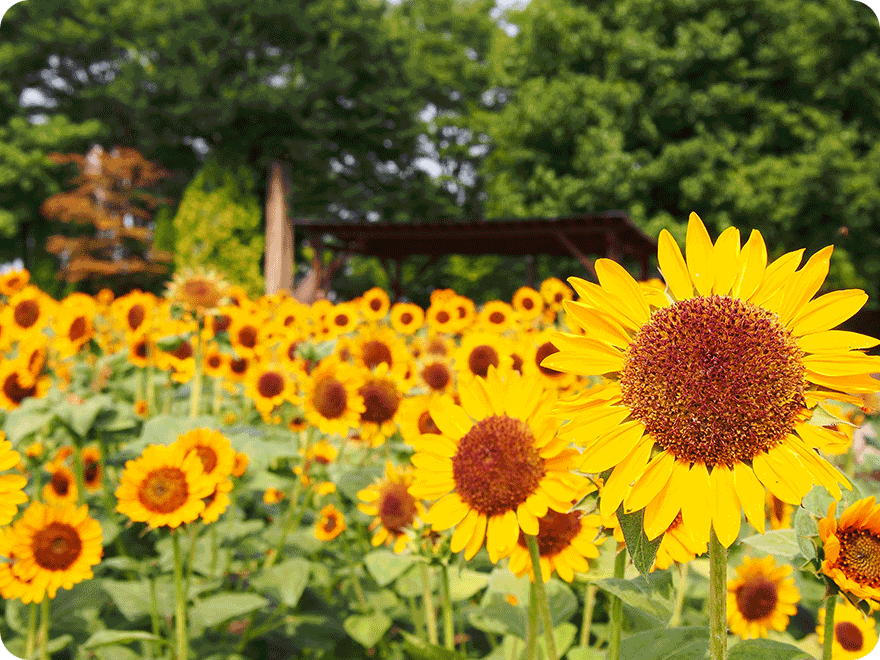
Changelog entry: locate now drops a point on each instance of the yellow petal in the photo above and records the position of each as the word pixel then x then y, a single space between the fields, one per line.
pixel 594 360
pixel 474 400
pixel 447 512
pixel 613 277
pixel 778 484
pixel 662 510
pixel 753 262
pixel 776 276
pixel 695 509
pixel 804 284
pixel 527 520
pixel 842 364
pixel 700 253
pixel 726 259
pixel 476 541
pixel 611 448
pixel 788 462
pixel 861 383
pixel 751 494
pixel 449 418
pixel 464 531
pixel 597 325
pixel 672 267
pixel 835 341
pixel 726 516
pixel 595 296
pixel 828 311
pixel 655 477
pixel 584 428
pixel 623 476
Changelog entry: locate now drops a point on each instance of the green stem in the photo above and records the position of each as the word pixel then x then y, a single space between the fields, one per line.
pixel 589 605
pixel 78 472
pixel 448 621
pixel 195 398
pixel 418 619
pixel 428 603
pixel 828 643
pixel 616 609
pixel 179 590
pixel 680 596
pixel 355 582
pixel 44 628
pixel 154 615
pixel 288 523
pixel 169 390
pixel 214 548
pixel 32 631
pixel 532 625
pixel 543 603
pixel 215 396
pixel 151 386
pixel 717 598
pixel 190 556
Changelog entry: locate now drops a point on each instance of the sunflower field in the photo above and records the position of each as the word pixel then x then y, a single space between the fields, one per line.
pixel 675 469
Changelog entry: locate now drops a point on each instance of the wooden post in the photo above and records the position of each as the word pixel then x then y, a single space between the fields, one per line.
pixel 279 232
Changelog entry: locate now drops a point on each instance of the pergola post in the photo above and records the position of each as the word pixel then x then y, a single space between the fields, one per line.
pixel 279 232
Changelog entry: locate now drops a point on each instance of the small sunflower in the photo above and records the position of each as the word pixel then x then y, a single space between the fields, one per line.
pixel 527 303
pixel 140 348
pixel 268 386
pixel 855 635
pixel 545 347
pixel 141 408
pixel 213 449
pixel 565 542
pixel 197 289
pixel 479 351
pixel 246 332
pixel 415 418
pixel 11 586
pixel 272 496
pixel 466 312
pixel 381 346
pixel 17 384
pixel 497 465
pixel 406 318
pixel 214 362
pixel 555 292
pixel 760 598
pixel 11 485
pixel 217 502
pixel 497 316
pixel 381 395
pixel 331 401
pixel 442 317
pixel 343 319
pixel 330 525
pixel 322 452
pixel 135 312
pixel 721 381
pixel 29 310
pixel 165 486
pixel 73 326
pixel 239 467
pixel 394 507
pixel 61 488
pixel 852 548
pixel 13 281
pixel 437 375
pixel 54 547
pixel 374 304
pixel 92 473
pixel 237 368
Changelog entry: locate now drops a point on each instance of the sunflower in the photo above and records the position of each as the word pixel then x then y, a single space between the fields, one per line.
pixel 677 546
pixel 852 548
pixel 374 304
pixel 565 542
pixel 218 501
pixel 213 449
pixel 437 375
pixel 197 289
pixel 381 396
pixel 544 347
pixel 720 381
pixel 839 435
pixel 54 547
pixel 17 384
pixel 239 467
pixel 330 525
pixel 214 362
pixel 479 351
pixel 778 512
pixel 11 586
pixel 554 292
pixel 527 303
pixel 322 452
pixel 246 332
pixel 497 316
pixel 165 486
pixel 61 488
pixel 237 368
pixel 381 346
pixel 394 507
pixel 406 318
pixel 13 281
pixel 415 418
pixel 442 317
pixel 29 310
pixel 141 408
pixel 331 401
pixel 855 635
pixel 343 319
pixel 33 350
pixel 140 348
pixel 73 326
pixel 760 598
pixel 92 474
pixel 497 463
pixel 11 485
pixel 135 312
pixel 268 386
pixel 272 496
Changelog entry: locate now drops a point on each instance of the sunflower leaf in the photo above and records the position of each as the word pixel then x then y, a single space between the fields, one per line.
pixel 667 644
pixel 767 649
pixel 421 650
pixel 781 543
pixel 641 550
pixel 367 629
pixel 805 527
pixel 385 566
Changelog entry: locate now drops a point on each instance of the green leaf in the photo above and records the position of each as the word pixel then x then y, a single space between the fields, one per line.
pixel 107 637
pixel 667 644
pixel 817 501
pixel 805 527
pixel 780 543
pixel 222 607
pixel 53 646
pixel 26 420
pixel 497 615
pixel 367 629
pixel 643 595
pixel 352 482
pixel 81 417
pixel 385 566
pixel 563 635
pixel 563 602
pixel 133 598
pixel 409 585
pixel 287 579
pixel 418 649
pixel 766 649
pixel 465 583
pixel 585 653
pixel 641 550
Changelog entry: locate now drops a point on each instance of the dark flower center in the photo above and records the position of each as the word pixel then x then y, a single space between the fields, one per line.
pixel 480 358
pixel 60 483
pixel 136 315
pixel 757 598
pixel 77 329
pixel 14 391
pixel 555 532
pixel 26 313
pixel 56 547
pixel 443 316
pixel 543 351
pixel 376 352
pixel 270 384
pixel 406 318
pixel 427 425
pixel 164 490
pixel 860 556
pixel 330 398
pixel 381 401
pixel 247 336
pixel 397 508
pixel 436 375
pixel 849 636
pixel 497 318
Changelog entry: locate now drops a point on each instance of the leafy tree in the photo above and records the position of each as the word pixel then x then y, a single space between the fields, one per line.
pixel 754 113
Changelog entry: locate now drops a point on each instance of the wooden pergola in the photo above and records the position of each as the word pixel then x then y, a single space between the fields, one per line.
pixel 584 236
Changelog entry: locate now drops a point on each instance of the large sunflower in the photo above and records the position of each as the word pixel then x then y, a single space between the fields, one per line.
pixel 11 485
pixel 855 635
pixel 164 487
pixel 762 597
pixel 852 548
pixel 54 547
pixel 709 397
pixel 497 464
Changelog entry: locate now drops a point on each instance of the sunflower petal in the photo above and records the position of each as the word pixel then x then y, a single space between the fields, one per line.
pixel 695 509
pixel 804 284
pixel 776 276
pixel 652 480
pixel 447 512
pixel 611 448
pixel 662 510
pixel 623 476
pixel 751 495
pixel 835 341
pixel 700 253
pixel 594 359
pixel 828 311
pixel 781 487
pixel 597 325
pixel 726 258
pixel 673 267
pixel 726 516
pixel 449 418
pixel 753 262
pixel 613 277
pixel 476 541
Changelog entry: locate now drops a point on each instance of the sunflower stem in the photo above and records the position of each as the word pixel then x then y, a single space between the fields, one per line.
pixel 195 398
pixel 589 605
pixel 154 614
pixel 717 598
pixel 418 619
pixel 828 642
pixel 44 627
pixel 532 626
pixel 355 582
pixel 294 515
pixel 616 615
pixel 541 592
pixel 214 543
pixel 428 603
pixel 32 631
pixel 448 621
pixel 180 592
pixel 679 596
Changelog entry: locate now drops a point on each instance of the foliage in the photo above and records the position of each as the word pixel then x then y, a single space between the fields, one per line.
pixel 218 225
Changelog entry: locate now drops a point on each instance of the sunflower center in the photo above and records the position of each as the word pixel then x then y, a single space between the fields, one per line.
pixel 714 379
pixel 247 336
pixel 215 361
pixel 238 367
pixel 330 523
pixel 220 323
pixel 555 532
pixel 849 636
pixel 26 313
pixel 164 490
pixel 380 401
pixel 496 466
pixel 480 358
pixel 427 425
pixel 270 384
pixel 376 352
pixel 330 398
pixel 199 292
pixel 77 329
pixel 56 547
pixel 135 316
pixel 14 391
pixel 91 472
pixel 140 348
pixel 60 484
pixel 497 318
pixel 341 320
pixel 860 556
pixel 397 508
pixel 756 598
pixel 543 351
pixel 517 362
pixel 527 303
pixel 443 316
pixel 208 457
pixel 406 318
pixel 375 304
pixel 437 347
pixel 436 375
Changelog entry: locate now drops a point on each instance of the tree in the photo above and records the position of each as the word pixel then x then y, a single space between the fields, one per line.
pixel 754 113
